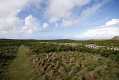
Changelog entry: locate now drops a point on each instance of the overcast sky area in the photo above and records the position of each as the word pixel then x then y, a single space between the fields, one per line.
pixel 59 19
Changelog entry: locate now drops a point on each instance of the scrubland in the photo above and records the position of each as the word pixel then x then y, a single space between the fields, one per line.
pixel 58 60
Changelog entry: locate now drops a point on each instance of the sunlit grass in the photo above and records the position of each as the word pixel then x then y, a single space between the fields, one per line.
pixel 21 68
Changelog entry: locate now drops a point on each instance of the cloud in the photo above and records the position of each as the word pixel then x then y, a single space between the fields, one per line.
pixel 45 25
pixel 106 31
pixel 93 9
pixel 8 15
pixel 11 7
pixel 54 12
pixel 84 14
pixel 30 26
pixel 112 22
pixel 68 22
pixel 63 8
pixel 8 25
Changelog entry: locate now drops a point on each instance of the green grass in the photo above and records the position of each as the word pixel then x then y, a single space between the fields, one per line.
pixel 21 68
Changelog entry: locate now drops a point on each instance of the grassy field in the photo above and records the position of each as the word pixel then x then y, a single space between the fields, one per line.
pixel 58 60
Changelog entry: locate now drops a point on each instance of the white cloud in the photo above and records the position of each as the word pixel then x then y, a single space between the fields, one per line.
pixel 45 25
pixel 8 15
pixel 68 23
pixel 85 14
pixel 112 22
pixel 63 8
pixel 11 7
pixel 8 25
pixel 91 10
pixel 110 29
pixel 30 26
pixel 57 10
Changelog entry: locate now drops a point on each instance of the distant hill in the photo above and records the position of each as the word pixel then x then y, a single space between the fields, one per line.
pixel 115 38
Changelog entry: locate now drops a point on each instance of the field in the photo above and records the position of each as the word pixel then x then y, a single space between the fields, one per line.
pixel 59 60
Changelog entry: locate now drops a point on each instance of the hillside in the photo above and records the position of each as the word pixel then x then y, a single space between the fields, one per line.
pixel 115 38
pixel 58 60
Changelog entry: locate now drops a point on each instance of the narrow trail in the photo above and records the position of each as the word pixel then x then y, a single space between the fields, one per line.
pixel 21 68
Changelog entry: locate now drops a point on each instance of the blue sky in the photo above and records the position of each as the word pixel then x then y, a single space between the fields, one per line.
pixel 59 19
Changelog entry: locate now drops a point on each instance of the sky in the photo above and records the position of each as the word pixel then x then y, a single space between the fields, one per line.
pixel 59 19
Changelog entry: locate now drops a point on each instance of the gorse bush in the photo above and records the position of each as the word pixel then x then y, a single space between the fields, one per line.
pixel 6 55
pixel 47 48
pixel 74 66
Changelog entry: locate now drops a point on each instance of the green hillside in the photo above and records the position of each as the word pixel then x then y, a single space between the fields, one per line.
pixel 58 60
